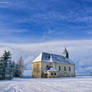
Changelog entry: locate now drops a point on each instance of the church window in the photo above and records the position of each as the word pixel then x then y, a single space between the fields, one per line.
pixel 64 68
pixel 51 73
pixel 69 68
pixel 59 68
pixel 54 73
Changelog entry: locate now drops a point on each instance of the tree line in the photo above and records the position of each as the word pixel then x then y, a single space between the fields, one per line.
pixel 8 68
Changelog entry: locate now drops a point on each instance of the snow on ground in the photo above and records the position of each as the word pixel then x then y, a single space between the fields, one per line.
pixel 78 84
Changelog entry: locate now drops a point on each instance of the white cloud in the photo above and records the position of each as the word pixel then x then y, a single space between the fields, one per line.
pixel 80 51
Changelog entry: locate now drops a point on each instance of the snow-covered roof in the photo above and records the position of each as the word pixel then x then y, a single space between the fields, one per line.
pixel 52 70
pixel 49 57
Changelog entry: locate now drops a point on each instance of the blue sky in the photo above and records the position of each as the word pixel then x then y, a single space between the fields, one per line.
pixel 37 24
pixel 27 20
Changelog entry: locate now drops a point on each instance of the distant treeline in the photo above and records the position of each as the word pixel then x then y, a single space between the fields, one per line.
pixel 8 68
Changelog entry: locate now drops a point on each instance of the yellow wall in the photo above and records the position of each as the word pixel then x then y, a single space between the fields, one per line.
pixel 61 72
pixel 38 69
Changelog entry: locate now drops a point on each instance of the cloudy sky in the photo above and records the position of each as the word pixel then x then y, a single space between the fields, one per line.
pixel 28 27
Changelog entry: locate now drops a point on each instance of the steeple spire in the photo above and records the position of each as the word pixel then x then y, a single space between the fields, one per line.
pixel 65 53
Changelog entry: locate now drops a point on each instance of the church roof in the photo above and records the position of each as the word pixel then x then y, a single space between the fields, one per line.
pixel 49 57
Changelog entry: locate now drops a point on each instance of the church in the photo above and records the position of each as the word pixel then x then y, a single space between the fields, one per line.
pixel 49 65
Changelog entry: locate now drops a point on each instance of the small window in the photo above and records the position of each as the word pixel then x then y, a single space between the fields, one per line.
pixel 69 68
pixel 54 73
pixel 51 73
pixel 59 68
pixel 64 68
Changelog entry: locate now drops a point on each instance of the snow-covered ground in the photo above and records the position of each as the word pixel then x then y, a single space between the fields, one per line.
pixel 78 84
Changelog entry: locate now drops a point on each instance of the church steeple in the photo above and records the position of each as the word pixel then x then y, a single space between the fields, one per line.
pixel 65 53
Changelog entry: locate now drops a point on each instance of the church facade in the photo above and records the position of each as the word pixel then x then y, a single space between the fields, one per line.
pixel 48 65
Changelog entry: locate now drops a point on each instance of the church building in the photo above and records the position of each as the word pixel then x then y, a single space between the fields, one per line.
pixel 48 65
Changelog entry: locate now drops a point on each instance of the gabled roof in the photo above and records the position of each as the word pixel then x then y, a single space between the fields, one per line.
pixel 48 57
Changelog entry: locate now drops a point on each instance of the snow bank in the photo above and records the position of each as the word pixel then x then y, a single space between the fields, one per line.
pixel 78 84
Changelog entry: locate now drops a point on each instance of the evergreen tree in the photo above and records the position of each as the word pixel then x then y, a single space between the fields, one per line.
pixel 19 68
pixel 8 68
pixel 6 65
pixel 1 69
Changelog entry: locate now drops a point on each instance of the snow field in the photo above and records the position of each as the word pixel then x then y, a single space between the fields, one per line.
pixel 79 84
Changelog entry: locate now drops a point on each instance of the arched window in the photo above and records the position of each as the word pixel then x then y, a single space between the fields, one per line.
pixel 59 68
pixel 64 68
pixel 69 68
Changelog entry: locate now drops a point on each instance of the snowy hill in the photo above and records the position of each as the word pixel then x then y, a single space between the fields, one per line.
pixel 78 84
